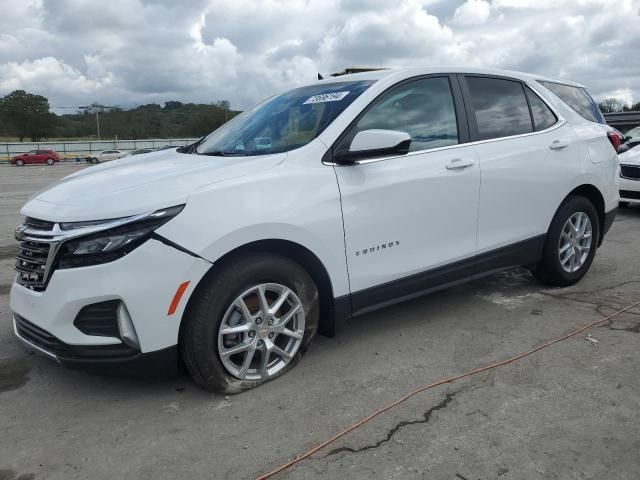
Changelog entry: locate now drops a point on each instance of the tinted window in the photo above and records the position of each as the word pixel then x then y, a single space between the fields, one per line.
pixel 284 122
pixel 543 117
pixel 422 108
pixel 500 106
pixel 578 99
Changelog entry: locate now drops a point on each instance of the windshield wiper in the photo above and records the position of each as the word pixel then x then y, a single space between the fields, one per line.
pixel 191 148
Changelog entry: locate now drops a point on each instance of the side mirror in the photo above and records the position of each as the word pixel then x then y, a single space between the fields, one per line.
pixel 627 138
pixel 375 143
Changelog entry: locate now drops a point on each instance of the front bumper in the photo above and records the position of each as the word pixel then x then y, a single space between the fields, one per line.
pixel 117 359
pixel 629 190
pixel 145 280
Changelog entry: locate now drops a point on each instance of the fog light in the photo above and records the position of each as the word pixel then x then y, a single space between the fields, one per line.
pixel 125 325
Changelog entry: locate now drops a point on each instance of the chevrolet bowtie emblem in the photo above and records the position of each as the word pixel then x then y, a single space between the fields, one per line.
pixel 19 232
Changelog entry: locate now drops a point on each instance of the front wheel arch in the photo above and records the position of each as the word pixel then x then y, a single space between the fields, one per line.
pixel 330 316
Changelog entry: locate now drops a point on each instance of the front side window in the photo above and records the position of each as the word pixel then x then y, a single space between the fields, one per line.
pixel 578 99
pixel 422 108
pixel 543 117
pixel 500 107
pixel 285 122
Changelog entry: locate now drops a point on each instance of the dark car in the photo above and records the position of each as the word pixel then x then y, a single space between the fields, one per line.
pixel 140 151
pixel 36 156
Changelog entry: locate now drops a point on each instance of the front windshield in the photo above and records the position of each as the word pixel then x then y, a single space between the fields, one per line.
pixel 284 122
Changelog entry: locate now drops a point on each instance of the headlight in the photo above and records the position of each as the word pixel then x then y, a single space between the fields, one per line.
pixel 112 243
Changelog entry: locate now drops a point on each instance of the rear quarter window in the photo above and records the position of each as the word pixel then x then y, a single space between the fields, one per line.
pixel 578 99
pixel 543 117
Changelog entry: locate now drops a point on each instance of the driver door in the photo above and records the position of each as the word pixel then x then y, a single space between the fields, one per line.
pixel 410 220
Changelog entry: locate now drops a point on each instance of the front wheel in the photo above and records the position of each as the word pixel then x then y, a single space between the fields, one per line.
pixel 20 163
pixel 250 323
pixel 570 244
pixel 50 161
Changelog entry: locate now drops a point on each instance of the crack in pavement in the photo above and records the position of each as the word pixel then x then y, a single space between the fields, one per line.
pixel 599 305
pixel 392 431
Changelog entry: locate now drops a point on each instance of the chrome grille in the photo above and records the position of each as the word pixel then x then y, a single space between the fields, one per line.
pixel 31 264
pixel 35 253
pixel 629 171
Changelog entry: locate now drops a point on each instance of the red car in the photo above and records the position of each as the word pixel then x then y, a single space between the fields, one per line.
pixel 36 156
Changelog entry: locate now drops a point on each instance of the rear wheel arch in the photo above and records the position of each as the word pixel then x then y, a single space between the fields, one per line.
pixel 294 251
pixel 591 193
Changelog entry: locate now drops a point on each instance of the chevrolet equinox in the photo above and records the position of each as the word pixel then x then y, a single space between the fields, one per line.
pixel 319 204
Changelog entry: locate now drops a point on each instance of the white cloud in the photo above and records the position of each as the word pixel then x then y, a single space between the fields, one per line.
pixel 130 52
pixel 472 12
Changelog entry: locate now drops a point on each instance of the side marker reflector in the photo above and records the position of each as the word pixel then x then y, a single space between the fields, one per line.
pixel 176 298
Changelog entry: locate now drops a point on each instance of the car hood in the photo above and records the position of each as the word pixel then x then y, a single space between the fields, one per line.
pixel 630 157
pixel 138 184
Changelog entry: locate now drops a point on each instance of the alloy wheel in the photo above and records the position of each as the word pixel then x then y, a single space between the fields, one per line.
pixel 261 331
pixel 575 242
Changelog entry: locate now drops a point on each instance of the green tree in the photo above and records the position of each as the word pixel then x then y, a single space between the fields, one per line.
pixel 26 115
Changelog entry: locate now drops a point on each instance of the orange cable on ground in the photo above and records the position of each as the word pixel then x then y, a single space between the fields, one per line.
pixel 342 433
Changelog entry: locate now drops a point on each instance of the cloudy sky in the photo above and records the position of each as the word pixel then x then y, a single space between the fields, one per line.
pixel 130 52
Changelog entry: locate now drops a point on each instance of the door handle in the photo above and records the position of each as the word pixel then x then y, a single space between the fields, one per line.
pixel 558 145
pixel 458 164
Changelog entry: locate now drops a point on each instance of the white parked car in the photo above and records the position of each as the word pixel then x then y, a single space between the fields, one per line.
pixel 630 176
pixel 371 189
pixel 632 137
pixel 107 155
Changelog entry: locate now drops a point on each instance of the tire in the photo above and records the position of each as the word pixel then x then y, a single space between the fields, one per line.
pixel 19 163
pixel 50 161
pixel 550 269
pixel 214 304
pixel 95 160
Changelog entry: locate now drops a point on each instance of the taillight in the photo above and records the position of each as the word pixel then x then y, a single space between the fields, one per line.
pixel 615 139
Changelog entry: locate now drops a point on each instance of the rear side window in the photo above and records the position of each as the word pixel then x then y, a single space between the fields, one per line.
pixel 422 108
pixel 578 99
pixel 500 107
pixel 543 117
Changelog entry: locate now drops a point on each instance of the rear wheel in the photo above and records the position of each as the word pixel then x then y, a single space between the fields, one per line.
pixel 250 323
pixel 50 161
pixel 570 244
pixel 20 162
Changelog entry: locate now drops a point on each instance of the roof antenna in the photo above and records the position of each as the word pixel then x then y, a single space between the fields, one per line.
pixel 320 77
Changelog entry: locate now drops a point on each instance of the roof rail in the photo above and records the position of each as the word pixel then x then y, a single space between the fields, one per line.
pixel 350 70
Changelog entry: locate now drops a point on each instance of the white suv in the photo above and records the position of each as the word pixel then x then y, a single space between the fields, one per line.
pixel 372 188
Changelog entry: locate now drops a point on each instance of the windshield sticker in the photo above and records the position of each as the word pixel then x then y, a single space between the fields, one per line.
pixel 326 97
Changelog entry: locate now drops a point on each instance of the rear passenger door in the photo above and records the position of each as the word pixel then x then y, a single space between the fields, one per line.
pixel 524 149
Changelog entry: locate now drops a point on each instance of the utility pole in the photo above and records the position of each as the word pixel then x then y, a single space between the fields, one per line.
pixel 87 108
